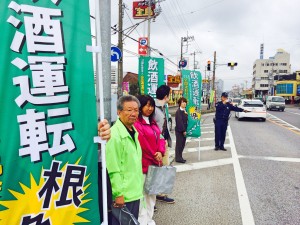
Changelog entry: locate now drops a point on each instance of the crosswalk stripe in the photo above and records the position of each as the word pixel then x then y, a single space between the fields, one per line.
pixel 202 165
pixel 208 127
pixel 207 124
pixel 197 139
pixel 204 148
pixel 281 159
pixel 207 132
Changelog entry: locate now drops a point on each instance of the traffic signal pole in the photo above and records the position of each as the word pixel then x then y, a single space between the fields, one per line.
pixel 181 49
pixel 214 78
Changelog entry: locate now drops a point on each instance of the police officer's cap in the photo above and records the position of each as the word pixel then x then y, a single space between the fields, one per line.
pixel 225 94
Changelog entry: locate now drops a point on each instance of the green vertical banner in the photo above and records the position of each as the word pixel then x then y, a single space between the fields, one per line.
pixel 151 75
pixel 48 114
pixel 192 91
pixel 212 96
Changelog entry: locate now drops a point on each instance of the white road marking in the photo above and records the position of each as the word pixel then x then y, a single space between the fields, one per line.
pixel 207 124
pixel 295 113
pixel 246 212
pixel 208 127
pixel 204 148
pixel 207 132
pixel 188 140
pixel 202 165
pixel 280 159
pixel 282 122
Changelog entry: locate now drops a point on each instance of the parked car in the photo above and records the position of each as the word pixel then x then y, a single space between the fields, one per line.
pixel 256 108
pixel 275 102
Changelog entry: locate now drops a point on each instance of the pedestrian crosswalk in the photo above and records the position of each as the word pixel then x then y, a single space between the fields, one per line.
pixel 205 143
pixel 212 159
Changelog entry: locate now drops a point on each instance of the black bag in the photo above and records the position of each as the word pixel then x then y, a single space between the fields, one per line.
pixel 214 119
pixel 124 216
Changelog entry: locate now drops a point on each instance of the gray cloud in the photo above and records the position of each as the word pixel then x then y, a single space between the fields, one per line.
pixel 235 29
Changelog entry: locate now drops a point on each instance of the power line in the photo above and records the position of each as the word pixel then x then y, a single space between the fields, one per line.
pixel 170 26
pixel 205 7
pixel 183 22
pixel 132 22
pixel 134 54
pixel 152 49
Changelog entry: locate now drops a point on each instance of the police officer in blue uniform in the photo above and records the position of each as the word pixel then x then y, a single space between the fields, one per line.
pixel 223 109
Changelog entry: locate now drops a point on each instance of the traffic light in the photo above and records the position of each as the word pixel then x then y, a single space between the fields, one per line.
pixel 208 65
pixel 232 65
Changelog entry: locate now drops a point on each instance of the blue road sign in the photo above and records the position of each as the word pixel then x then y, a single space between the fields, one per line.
pixel 182 63
pixel 143 42
pixel 115 54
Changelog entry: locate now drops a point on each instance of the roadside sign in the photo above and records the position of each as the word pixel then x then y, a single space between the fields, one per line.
pixel 115 54
pixel 140 9
pixel 182 63
pixel 143 46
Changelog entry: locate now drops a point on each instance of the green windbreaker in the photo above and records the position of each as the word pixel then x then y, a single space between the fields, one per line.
pixel 124 163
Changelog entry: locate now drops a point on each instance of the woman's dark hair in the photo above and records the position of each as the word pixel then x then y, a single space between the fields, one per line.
pixel 144 99
pixel 182 99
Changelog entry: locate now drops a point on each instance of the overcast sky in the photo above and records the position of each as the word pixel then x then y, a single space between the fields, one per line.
pixel 233 28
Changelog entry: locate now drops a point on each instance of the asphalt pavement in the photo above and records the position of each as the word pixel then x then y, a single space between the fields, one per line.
pixel 255 182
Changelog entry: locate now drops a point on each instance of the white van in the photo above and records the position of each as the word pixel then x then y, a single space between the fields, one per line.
pixel 275 102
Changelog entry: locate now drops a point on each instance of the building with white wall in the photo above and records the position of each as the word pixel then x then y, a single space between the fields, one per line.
pixel 264 71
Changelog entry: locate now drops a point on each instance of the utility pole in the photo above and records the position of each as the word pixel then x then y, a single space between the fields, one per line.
pixel 214 77
pixel 120 46
pixel 149 25
pixel 181 46
pixel 194 53
pixel 184 39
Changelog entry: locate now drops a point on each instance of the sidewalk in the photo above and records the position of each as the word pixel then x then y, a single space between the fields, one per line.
pixel 292 105
pixel 204 110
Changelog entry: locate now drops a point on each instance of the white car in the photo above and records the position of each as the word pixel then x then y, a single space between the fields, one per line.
pixel 256 108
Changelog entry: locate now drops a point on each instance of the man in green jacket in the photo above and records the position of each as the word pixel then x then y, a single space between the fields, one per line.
pixel 124 158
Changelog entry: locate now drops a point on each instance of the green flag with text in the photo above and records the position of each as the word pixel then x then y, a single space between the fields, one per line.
pixel 192 91
pixel 48 115
pixel 151 75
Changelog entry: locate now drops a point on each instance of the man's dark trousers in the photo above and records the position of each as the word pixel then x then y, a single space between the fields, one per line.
pixel 220 132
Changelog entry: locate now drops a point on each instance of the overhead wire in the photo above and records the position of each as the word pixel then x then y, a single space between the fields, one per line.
pixel 205 7
pixel 196 45
pixel 152 49
pixel 132 22
pixel 134 54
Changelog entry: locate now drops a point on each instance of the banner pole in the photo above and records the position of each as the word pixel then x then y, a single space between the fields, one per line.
pixel 199 150
pixel 101 106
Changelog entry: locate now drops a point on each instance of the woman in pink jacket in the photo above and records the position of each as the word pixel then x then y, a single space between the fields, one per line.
pixel 153 149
